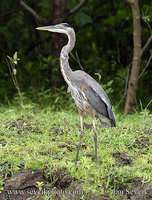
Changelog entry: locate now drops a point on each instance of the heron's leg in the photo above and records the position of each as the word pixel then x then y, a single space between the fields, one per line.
pixel 92 113
pixel 95 137
pixel 81 135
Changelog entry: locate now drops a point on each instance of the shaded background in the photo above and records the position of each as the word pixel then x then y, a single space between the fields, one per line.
pixel 104 46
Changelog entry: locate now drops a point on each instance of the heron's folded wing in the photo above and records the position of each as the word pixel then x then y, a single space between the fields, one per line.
pixel 96 102
pixel 99 99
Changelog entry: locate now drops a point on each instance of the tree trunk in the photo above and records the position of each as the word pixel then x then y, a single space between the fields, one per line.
pixel 133 82
pixel 59 14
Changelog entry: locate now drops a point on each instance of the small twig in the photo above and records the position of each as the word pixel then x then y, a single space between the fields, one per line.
pixel 77 7
pixel 11 67
pixel 147 44
pixel 77 60
pixel 148 104
pixel 149 60
pixel 119 58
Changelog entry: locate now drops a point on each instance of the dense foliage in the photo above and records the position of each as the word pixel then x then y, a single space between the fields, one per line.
pixel 104 46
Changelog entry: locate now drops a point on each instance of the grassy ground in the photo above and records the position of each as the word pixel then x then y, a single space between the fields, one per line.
pixel 48 140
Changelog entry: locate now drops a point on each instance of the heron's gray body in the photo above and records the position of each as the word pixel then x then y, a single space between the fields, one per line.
pixel 88 95
pixel 85 90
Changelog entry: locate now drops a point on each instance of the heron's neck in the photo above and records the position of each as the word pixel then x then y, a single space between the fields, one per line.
pixel 64 57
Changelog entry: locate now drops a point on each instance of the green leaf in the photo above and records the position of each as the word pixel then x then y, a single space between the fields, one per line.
pixel 15 56
pixel 146 18
pixel 82 18
pixel 109 83
pixel 14 71
pixel 15 62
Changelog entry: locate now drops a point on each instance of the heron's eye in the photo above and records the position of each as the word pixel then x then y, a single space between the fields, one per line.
pixel 62 26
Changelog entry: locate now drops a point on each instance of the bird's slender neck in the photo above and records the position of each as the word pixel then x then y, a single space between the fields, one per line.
pixel 64 58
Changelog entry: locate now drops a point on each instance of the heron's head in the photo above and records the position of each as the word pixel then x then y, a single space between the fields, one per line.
pixel 59 28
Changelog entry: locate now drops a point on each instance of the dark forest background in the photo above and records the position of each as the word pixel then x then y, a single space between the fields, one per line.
pixel 104 48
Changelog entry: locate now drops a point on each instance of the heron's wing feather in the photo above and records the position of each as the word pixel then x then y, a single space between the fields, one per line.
pixel 97 103
pixel 99 100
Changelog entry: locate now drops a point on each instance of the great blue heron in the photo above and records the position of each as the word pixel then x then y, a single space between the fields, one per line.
pixel 88 95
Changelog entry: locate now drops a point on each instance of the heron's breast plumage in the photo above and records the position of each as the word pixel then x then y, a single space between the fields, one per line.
pixel 79 98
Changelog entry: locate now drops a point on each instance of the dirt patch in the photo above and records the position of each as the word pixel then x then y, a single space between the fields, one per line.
pixel 138 191
pixel 73 192
pixel 148 131
pixel 24 179
pixel 69 147
pixel 22 186
pixel 122 158
pixel 56 131
pixel 62 178
pixel 22 125
pixel 142 142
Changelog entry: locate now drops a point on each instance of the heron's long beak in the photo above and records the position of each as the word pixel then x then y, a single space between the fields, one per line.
pixel 48 28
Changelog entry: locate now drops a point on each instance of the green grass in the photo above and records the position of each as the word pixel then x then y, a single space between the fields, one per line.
pixel 48 140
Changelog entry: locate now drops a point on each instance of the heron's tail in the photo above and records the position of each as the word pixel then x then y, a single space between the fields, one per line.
pixel 103 124
pixel 111 123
